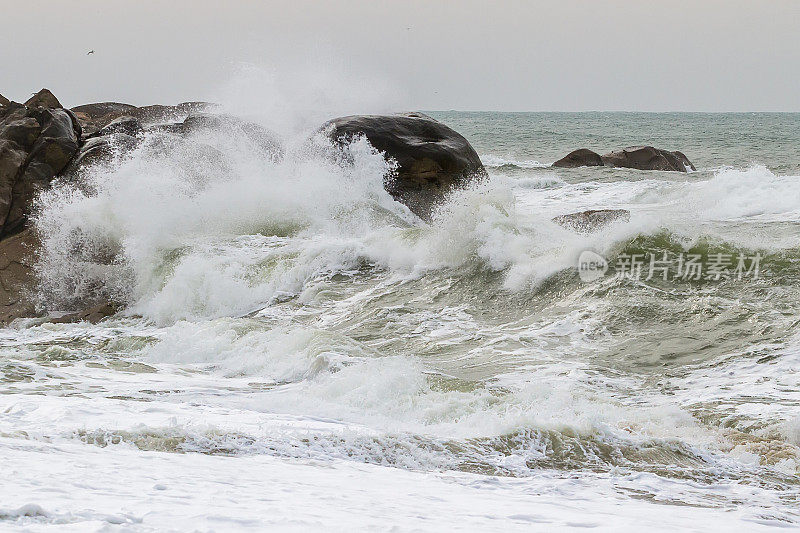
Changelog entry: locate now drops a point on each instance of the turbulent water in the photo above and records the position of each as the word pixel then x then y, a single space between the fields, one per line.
pixel 298 350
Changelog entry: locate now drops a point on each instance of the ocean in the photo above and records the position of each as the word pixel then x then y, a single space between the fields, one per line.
pixel 297 350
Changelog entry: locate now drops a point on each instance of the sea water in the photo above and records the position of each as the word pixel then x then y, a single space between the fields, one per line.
pixel 297 350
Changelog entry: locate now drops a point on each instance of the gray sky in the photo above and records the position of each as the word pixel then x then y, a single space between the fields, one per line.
pixel 505 55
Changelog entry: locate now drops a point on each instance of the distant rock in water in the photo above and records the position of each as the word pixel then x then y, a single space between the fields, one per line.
pixel 588 221
pixel 637 157
pixel 581 157
pixel 432 159
pixel 648 158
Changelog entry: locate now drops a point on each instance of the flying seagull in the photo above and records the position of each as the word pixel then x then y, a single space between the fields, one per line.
pixel 89 52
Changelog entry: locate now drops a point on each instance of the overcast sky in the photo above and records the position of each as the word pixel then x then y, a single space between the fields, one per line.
pixel 502 55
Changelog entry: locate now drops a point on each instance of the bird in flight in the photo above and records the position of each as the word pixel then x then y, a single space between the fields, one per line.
pixel 89 52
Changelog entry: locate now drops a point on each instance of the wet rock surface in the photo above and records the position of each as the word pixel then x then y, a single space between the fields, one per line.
pixel 593 219
pixel 582 157
pixel 636 157
pixel 432 159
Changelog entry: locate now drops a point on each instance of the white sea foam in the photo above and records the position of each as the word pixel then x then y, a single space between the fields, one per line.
pixel 296 317
pixel 496 161
pixel 196 242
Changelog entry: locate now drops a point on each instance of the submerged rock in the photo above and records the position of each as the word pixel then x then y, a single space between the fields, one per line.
pixel 432 159
pixel 648 158
pixel 588 221
pixel 93 314
pixel 582 157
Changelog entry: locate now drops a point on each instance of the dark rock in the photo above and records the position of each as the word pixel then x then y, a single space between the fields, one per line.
pixel 36 144
pixel 432 159
pixel 124 124
pixel 638 157
pixel 37 141
pixel 4 101
pixel 588 221
pixel 582 157
pixel 101 109
pixel 94 117
pixel 153 114
pixel 648 158
pixel 100 150
pixel 45 99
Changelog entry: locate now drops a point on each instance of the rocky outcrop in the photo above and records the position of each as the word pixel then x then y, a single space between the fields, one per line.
pixel 432 159
pixel 4 101
pixel 37 140
pixel 581 157
pixel 101 149
pixel 648 158
pixel 44 98
pixel 40 140
pixel 594 219
pixel 637 157
pixel 94 117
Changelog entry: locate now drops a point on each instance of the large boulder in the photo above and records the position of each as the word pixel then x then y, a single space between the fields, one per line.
pixel 582 157
pixel 432 159
pixel 648 158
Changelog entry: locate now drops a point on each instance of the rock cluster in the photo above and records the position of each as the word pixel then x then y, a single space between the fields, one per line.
pixel 636 157
pixel 40 140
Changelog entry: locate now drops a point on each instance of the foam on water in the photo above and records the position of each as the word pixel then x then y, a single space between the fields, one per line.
pixel 292 315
